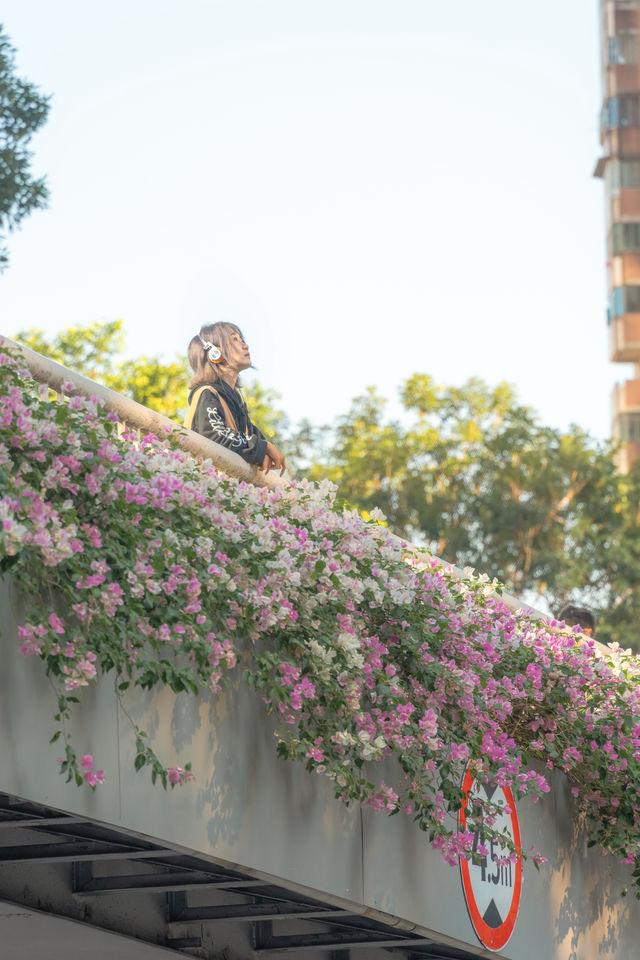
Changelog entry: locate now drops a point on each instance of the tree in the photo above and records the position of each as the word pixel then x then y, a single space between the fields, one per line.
pixel 95 352
pixel 23 110
pixel 472 474
pixel 90 350
pixel 620 615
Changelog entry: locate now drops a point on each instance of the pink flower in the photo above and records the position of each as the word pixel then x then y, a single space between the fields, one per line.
pixel 314 752
pixel 178 775
pixel 56 623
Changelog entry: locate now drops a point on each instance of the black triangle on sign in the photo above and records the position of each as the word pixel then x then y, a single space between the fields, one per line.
pixel 491 916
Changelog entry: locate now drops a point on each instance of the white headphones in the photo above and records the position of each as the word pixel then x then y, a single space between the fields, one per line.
pixel 214 354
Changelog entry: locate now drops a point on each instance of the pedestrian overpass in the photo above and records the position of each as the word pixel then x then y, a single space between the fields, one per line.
pixel 256 858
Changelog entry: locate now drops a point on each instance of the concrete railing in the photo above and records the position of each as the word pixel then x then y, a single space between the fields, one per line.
pixel 137 416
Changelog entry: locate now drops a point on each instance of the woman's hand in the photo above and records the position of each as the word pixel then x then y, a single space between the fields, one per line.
pixel 274 460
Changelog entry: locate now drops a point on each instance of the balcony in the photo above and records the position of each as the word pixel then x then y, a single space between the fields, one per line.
pixel 626 422
pixel 626 396
pixel 625 203
pixel 621 141
pixel 622 78
pixel 627 17
pixel 624 339
pixel 625 268
pixel 627 455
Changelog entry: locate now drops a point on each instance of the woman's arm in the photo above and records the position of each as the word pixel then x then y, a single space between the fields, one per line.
pixel 274 460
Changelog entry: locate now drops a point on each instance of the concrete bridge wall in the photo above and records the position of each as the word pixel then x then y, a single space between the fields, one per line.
pixel 273 819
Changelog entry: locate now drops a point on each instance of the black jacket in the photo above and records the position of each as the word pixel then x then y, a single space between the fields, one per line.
pixel 209 420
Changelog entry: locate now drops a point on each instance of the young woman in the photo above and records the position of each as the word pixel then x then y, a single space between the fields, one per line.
pixel 218 354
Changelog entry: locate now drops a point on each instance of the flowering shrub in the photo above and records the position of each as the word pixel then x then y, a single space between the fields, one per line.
pixel 136 560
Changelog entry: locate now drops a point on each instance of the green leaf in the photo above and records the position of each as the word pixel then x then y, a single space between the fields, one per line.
pixel 7 562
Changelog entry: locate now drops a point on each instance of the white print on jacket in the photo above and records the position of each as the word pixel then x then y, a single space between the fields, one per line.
pixel 222 433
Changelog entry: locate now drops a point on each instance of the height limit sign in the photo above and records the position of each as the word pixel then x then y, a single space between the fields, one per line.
pixel 492 889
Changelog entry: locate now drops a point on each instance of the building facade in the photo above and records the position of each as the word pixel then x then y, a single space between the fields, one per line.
pixel 619 166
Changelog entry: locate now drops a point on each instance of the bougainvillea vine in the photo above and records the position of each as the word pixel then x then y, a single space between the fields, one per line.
pixel 136 560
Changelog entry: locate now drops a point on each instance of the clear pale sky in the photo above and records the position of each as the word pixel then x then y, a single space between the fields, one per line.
pixel 369 189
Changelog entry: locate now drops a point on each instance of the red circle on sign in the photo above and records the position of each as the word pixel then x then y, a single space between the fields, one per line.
pixel 492 937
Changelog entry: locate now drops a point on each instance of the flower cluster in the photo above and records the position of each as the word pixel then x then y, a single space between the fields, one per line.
pixel 91 776
pixel 137 560
pixel 82 769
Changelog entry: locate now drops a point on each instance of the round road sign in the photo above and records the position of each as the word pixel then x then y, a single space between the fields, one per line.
pixel 491 891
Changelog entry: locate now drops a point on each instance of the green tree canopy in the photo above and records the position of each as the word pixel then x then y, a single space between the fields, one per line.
pixel 95 351
pixel 23 109
pixel 472 474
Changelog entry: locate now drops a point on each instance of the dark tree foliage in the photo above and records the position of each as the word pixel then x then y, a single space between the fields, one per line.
pixel 23 109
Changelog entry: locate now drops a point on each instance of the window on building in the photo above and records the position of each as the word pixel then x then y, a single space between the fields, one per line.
pixel 629 426
pixel 629 111
pixel 620 112
pixel 612 178
pixel 625 236
pixel 624 300
pixel 622 49
pixel 631 299
pixel 630 174
pixel 610 115
pixel 616 302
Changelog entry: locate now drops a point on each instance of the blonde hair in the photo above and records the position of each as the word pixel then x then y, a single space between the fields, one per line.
pixel 220 335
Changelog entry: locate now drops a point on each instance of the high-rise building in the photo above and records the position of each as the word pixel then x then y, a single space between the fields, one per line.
pixel 619 166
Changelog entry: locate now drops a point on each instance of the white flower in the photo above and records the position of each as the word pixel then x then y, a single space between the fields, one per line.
pixel 343 738
pixel 349 642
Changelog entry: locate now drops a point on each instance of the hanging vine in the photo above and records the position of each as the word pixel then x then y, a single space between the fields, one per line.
pixel 137 561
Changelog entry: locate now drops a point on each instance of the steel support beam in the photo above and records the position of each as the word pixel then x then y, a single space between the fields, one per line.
pixel 80 842
pixel 257 911
pixel 26 822
pixel 69 852
pixel 337 941
pixel 160 883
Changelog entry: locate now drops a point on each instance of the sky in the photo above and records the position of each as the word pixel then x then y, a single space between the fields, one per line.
pixel 369 188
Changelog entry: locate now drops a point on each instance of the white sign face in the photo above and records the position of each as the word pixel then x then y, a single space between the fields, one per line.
pixel 492 890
